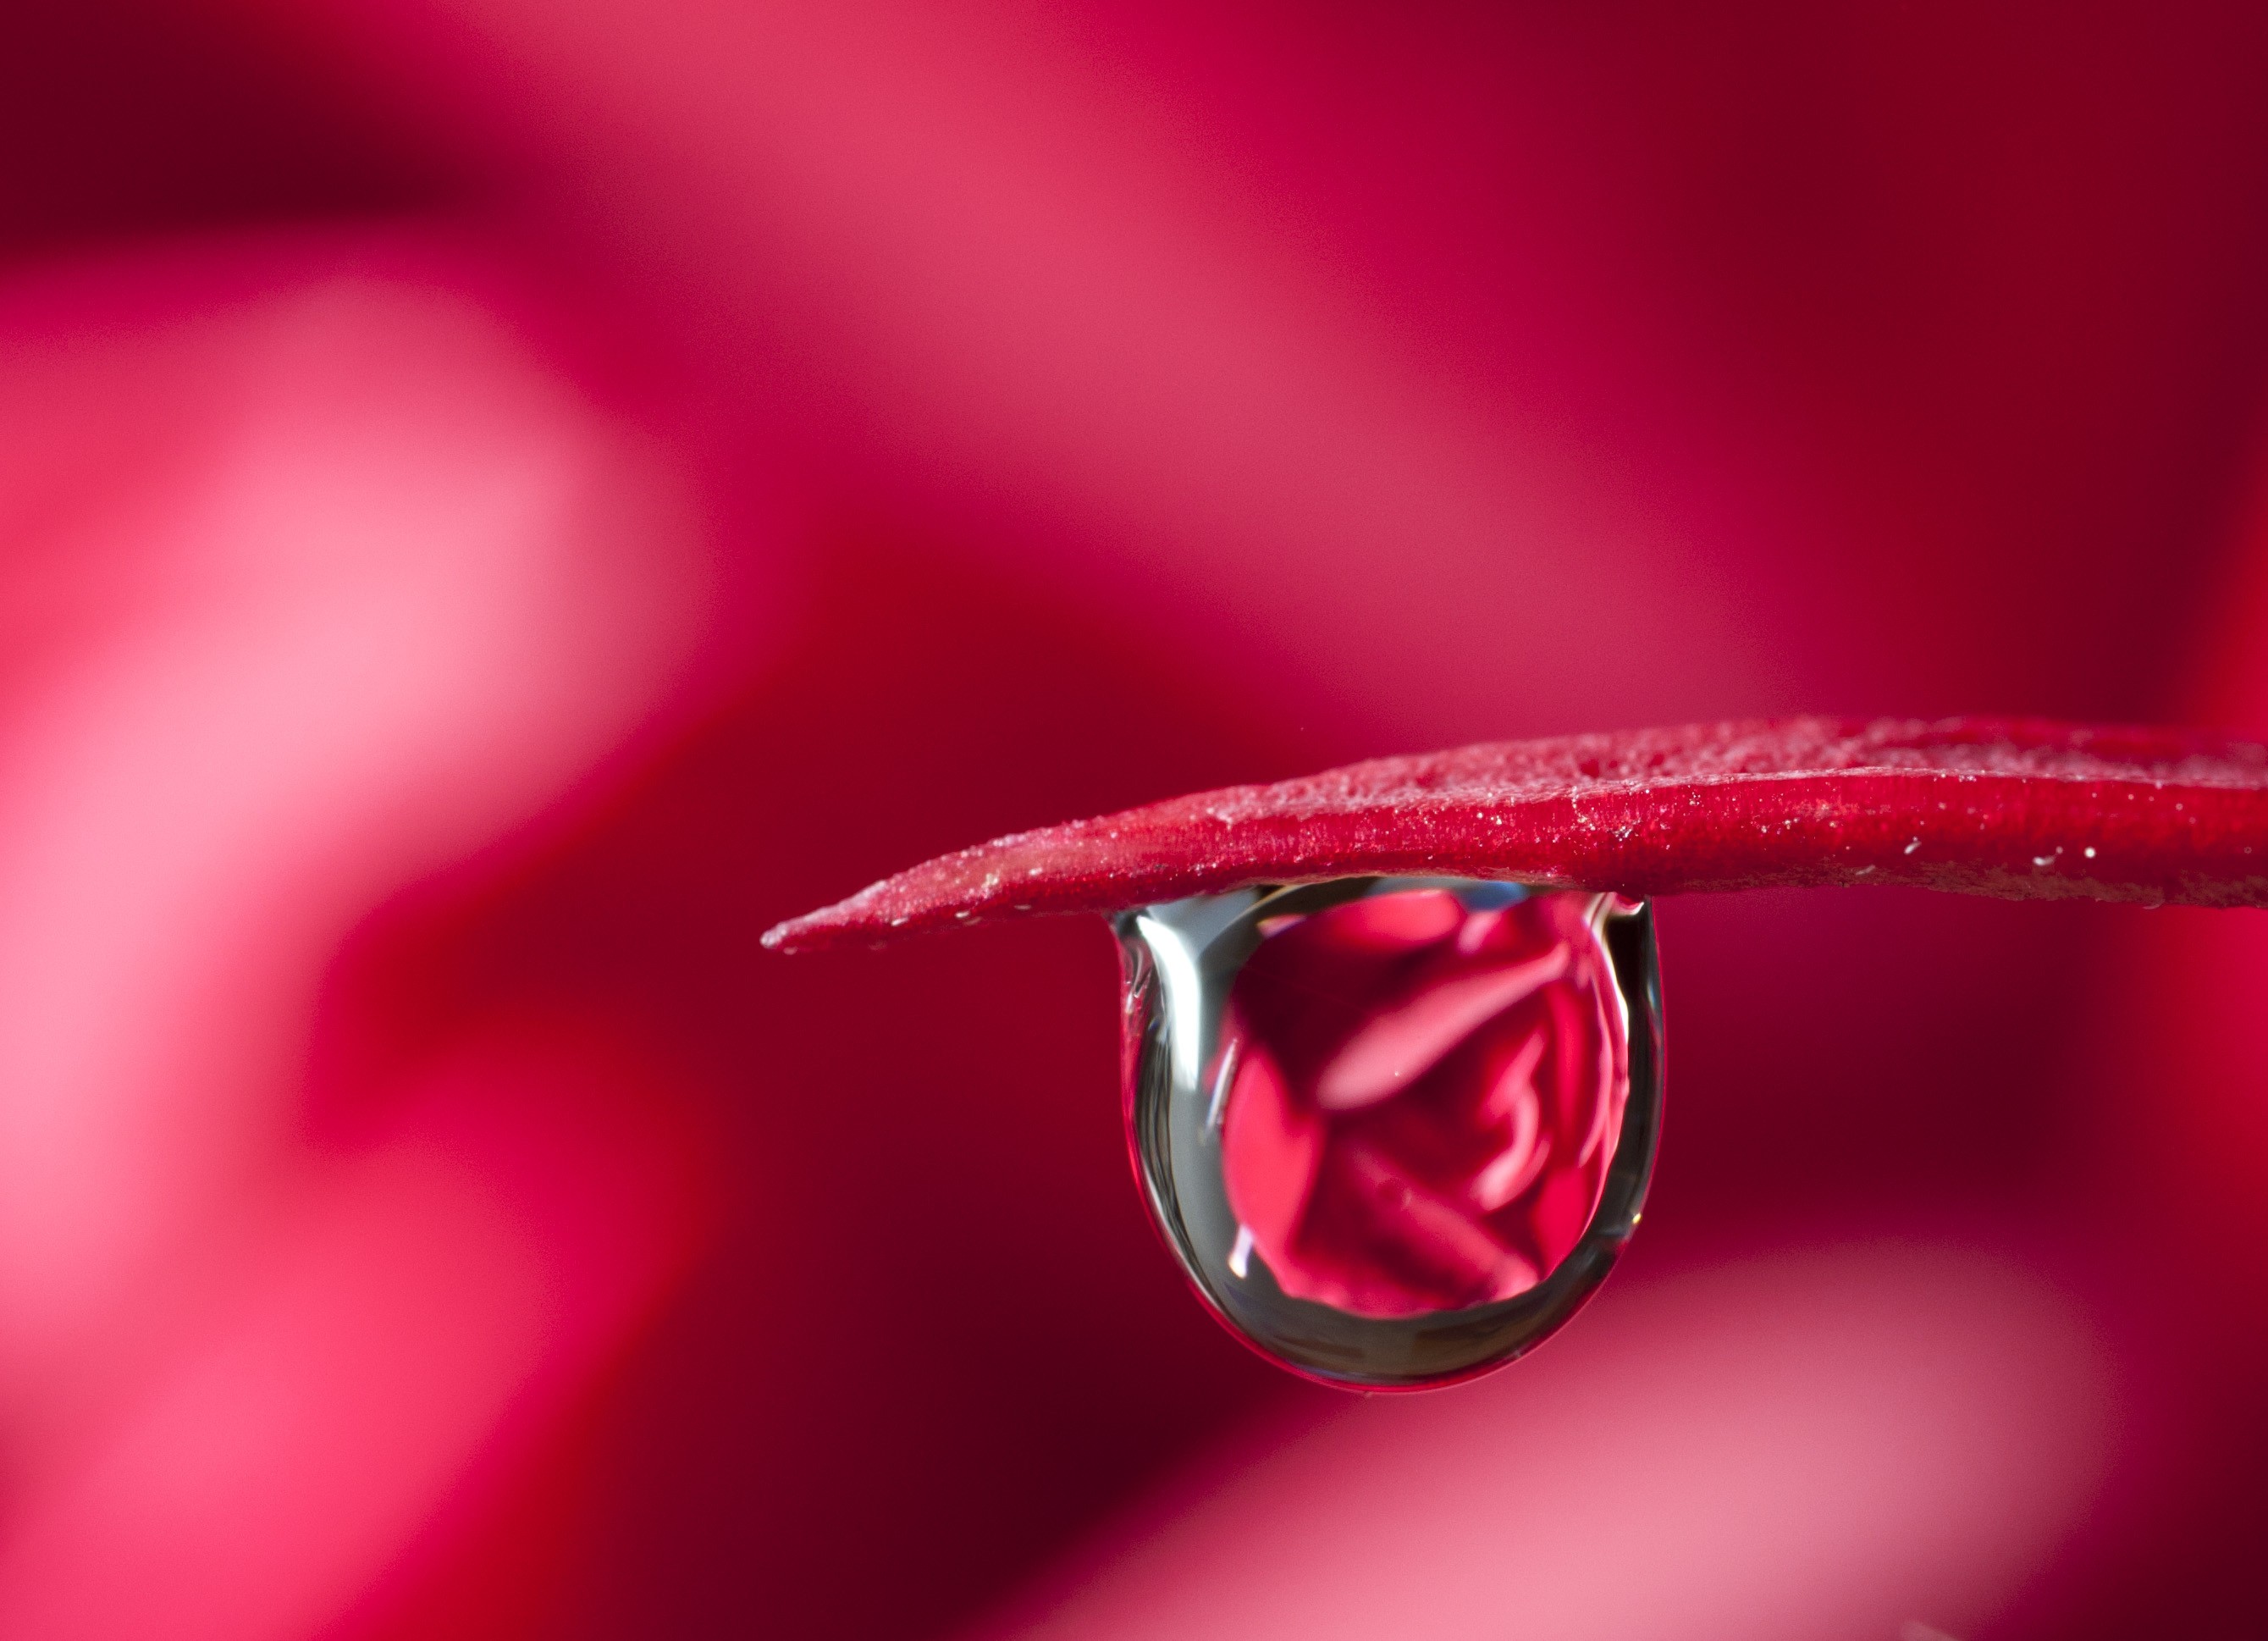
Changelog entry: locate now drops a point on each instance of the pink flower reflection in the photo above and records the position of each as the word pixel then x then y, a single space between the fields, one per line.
pixel 1425 1099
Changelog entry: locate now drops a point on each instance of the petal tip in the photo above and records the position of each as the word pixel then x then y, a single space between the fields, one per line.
pixel 802 933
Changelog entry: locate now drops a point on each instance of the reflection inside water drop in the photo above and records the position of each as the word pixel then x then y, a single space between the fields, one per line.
pixel 1395 1129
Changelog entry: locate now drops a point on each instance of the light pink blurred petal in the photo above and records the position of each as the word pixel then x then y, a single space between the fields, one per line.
pixel 403 1309
pixel 1805 1448
pixel 382 589
pixel 333 583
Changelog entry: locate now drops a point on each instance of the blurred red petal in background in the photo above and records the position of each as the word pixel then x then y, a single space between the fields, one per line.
pixel 836 433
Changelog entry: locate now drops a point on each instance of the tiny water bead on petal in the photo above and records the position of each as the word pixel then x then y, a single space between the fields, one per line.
pixel 1397 1130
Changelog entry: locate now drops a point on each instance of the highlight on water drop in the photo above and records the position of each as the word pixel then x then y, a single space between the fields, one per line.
pixel 1395 1129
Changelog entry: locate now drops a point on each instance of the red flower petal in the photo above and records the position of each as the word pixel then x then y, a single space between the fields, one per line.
pixel 2022 809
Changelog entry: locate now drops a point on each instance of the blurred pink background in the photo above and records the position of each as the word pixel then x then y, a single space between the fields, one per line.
pixel 501 501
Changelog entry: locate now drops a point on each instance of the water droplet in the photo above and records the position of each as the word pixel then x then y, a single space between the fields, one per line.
pixel 1395 1129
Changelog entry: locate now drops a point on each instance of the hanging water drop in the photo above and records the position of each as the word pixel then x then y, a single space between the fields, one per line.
pixel 1395 1129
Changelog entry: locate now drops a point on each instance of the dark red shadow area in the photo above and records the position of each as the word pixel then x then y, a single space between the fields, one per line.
pixel 121 118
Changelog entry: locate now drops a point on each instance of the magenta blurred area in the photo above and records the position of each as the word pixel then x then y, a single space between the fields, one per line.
pixel 499 502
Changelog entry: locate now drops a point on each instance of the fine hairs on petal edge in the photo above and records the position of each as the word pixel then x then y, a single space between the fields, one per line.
pixel 2021 809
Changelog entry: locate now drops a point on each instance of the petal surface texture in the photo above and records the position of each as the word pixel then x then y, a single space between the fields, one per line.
pixel 2020 809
